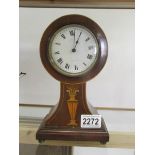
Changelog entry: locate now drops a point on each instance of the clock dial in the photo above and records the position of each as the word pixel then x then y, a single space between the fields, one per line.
pixel 73 50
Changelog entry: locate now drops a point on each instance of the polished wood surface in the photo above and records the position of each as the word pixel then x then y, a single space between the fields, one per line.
pixel 63 123
pixel 61 115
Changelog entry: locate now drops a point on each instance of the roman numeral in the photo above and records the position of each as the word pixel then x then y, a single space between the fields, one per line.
pixel 87 39
pixel 63 36
pixel 89 56
pixel 57 43
pixel 60 61
pixel 57 52
pixel 76 67
pixel 67 66
pixel 90 47
pixel 84 64
pixel 72 32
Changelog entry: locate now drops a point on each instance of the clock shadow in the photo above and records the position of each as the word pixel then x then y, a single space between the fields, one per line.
pixel 53 150
pixel 32 149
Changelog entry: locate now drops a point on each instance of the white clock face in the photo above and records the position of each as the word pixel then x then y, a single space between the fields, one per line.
pixel 73 50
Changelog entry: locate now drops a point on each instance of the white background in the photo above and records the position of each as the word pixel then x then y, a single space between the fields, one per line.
pixel 113 87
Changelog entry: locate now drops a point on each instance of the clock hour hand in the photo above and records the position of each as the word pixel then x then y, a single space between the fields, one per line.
pixel 74 49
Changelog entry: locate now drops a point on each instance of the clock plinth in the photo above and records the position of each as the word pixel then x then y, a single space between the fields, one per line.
pixel 63 122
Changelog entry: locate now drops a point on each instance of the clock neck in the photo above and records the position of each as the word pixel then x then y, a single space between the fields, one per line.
pixel 75 93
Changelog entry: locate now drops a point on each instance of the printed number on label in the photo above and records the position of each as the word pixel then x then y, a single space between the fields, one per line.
pixel 90 121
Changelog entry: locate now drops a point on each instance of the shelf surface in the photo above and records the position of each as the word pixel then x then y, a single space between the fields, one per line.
pixel 29 126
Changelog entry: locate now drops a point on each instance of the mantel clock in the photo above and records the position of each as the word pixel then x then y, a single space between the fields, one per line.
pixel 73 50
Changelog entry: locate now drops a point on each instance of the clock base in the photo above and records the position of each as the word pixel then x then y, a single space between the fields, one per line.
pixel 73 134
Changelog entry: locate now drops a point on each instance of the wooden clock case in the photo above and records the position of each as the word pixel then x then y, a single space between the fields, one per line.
pixel 63 122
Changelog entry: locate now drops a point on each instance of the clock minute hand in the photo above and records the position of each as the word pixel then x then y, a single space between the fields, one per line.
pixel 77 40
pixel 74 49
pixel 74 36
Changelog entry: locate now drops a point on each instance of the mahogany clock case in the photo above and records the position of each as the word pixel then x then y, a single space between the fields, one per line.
pixel 89 24
pixel 63 122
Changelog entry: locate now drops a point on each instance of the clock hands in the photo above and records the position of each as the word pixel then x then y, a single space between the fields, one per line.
pixel 78 40
pixel 74 36
pixel 74 49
